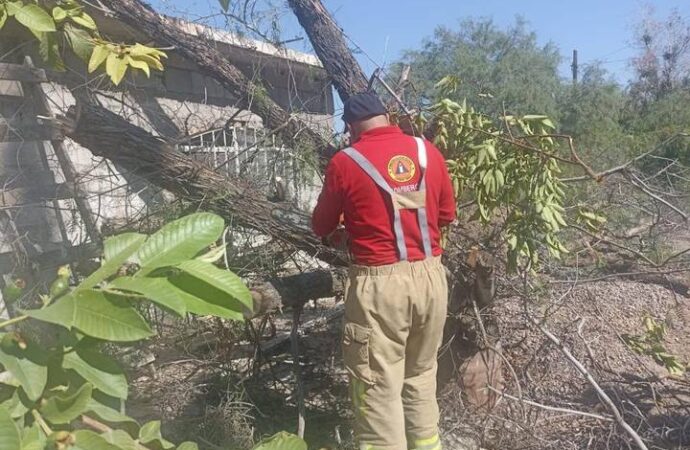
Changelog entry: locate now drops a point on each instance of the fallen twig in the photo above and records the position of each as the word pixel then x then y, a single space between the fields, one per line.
pixel 550 408
pixel 615 244
pixel 622 275
pixel 294 338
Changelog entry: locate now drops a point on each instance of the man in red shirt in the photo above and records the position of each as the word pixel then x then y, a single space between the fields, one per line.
pixel 395 195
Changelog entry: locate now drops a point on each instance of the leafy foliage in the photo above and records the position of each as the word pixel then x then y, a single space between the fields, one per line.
pixel 66 21
pixel 651 343
pixel 282 441
pixel 47 389
pixel 510 171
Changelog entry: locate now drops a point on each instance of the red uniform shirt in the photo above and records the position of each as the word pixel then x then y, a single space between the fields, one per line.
pixel 368 209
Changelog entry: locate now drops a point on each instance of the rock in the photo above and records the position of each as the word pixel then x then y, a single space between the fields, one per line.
pixel 483 369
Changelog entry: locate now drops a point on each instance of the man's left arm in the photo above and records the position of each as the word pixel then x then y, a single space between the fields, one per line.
pixel 446 207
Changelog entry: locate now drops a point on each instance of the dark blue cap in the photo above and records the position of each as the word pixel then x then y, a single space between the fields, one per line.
pixel 362 106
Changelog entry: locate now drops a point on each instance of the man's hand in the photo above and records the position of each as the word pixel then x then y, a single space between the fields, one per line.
pixel 339 239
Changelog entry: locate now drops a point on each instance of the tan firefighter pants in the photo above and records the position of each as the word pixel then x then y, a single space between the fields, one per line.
pixel 394 317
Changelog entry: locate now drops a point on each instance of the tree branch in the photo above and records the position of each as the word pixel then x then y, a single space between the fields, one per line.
pixel 624 166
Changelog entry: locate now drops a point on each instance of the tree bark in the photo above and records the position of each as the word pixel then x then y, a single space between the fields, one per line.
pixel 212 63
pixel 329 44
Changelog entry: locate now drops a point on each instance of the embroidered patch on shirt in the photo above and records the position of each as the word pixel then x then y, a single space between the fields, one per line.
pixel 401 168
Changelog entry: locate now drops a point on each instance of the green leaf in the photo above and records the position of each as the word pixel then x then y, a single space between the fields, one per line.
pixel 121 439
pixel 116 251
pixel 100 53
pixel 33 438
pixel 101 371
pixel 14 401
pixel 158 290
pixel 143 50
pixel 213 255
pixel 151 432
pixel 84 20
pixel 221 279
pixel 80 41
pixel 96 314
pixel 115 67
pixel 14 7
pixel 35 18
pixel 59 14
pixel 203 299
pixel 282 441
pixel 63 408
pixel 548 123
pixel 29 367
pixel 180 240
pixel 188 446
pixel 122 246
pixel 49 50
pixel 88 440
pixel 109 415
pixel 151 61
pixel 139 64
pixel 9 434
pixel 225 4
pixel 3 16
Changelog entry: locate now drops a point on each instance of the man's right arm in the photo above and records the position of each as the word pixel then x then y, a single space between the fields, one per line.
pixel 326 216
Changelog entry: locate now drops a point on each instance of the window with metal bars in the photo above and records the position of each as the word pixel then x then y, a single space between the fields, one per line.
pixel 246 152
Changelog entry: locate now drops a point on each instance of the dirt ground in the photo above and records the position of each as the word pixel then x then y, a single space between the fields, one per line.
pixel 205 382
pixel 656 404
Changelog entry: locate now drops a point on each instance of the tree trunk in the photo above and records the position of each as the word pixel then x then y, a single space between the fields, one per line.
pixel 329 44
pixel 295 290
pixel 214 64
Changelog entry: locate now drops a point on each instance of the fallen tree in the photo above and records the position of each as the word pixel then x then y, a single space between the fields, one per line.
pixel 108 135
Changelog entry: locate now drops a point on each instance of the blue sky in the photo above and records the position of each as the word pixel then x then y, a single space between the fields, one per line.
pixel 383 29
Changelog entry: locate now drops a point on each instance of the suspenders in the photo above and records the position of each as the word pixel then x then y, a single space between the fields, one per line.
pixel 404 200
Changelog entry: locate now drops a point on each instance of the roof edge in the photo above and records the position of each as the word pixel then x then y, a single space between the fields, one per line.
pixel 236 40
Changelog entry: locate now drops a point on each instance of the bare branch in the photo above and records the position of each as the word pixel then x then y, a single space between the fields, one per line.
pixel 639 185
pixel 624 166
pixel 550 408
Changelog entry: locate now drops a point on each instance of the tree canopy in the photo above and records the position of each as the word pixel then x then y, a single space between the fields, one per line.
pixel 496 68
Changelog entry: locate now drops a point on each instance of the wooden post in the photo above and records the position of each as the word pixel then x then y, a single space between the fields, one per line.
pixel 573 66
pixel 68 170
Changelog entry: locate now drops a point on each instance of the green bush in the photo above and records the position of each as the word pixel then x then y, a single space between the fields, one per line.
pixel 68 394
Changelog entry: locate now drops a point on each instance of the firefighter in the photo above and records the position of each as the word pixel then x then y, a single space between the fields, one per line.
pixel 395 195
